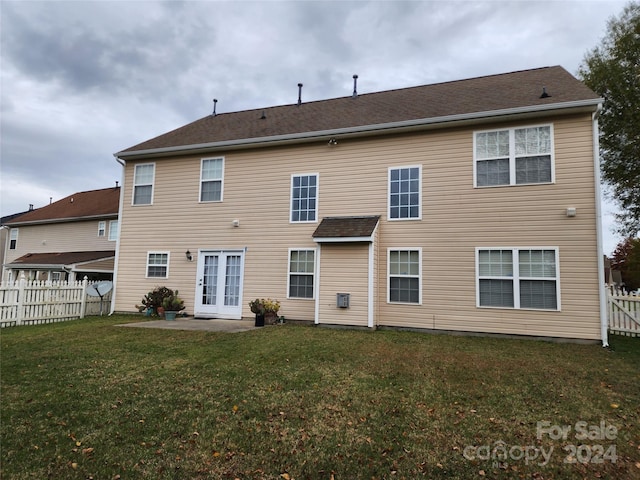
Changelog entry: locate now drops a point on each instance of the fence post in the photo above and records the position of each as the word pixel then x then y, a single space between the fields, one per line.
pixel 20 310
pixel 83 306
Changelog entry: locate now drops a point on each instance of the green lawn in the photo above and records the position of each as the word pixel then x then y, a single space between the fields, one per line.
pixel 86 399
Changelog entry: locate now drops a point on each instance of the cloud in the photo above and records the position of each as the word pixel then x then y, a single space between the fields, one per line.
pixel 84 79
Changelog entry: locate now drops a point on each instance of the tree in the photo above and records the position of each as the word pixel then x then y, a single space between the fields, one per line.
pixel 612 70
pixel 626 259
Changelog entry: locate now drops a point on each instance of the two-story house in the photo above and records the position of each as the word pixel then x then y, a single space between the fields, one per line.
pixel 468 206
pixel 65 240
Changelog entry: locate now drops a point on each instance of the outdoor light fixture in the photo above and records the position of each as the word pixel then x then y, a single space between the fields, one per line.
pixel 188 255
pixel 333 141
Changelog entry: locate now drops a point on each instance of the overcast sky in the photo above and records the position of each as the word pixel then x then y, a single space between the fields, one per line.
pixel 83 80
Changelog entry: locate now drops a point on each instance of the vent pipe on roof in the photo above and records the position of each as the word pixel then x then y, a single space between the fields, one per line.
pixel 264 115
pixel 544 93
pixel 31 207
pixel 50 200
pixel 299 94
pixel 355 85
pixel 215 100
pixel 116 183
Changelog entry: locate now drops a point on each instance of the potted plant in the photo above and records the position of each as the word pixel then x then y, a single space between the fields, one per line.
pixel 257 307
pixel 172 304
pixel 266 311
pixel 152 301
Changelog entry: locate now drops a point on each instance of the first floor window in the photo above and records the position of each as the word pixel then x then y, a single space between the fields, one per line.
pixel 101 228
pixel 143 178
pixel 157 264
pixel 301 273
pixel 13 239
pixel 404 267
pixel 518 278
pixel 113 230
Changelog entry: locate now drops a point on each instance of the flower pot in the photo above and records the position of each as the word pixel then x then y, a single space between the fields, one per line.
pixel 259 319
pixel 170 315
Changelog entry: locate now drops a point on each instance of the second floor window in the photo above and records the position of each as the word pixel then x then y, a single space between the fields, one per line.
pixel 515 156
pixel 211 179
pixel 404 193
pixel 113 230
pixel 101 229
pixel 304 198
pixel 13 239
pixel 143 184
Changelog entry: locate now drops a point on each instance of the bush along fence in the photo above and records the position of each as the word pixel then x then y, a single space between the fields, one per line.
pixel 623 312
pixel 32 302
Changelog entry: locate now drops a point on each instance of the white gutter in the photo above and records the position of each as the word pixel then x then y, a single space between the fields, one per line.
pixel 600 248
pixel 116 261
pixel 392 127
pixel 62 220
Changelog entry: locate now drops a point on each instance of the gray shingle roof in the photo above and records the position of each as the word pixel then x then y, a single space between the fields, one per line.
pixel 483 94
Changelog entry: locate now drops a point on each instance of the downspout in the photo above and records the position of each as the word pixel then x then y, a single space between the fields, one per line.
pixel 115 264
pixel 600 248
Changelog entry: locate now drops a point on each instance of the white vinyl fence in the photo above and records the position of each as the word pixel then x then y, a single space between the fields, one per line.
pixel 32 302
pixel 623 312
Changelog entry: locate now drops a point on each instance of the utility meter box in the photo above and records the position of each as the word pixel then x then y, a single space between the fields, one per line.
pixel 342 300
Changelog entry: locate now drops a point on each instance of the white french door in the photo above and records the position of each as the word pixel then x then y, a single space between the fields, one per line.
pixel 219 284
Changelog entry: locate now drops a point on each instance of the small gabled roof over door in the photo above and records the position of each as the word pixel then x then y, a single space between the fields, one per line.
pixel 346 229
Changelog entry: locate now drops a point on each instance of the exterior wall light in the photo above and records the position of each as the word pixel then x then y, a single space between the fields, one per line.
pixel 188 255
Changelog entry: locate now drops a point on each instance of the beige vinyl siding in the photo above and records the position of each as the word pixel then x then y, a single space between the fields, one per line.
pixel 353 176
pixel 79 236
pixel 334 278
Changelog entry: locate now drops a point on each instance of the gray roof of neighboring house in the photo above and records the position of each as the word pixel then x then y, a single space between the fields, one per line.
pixel 434 104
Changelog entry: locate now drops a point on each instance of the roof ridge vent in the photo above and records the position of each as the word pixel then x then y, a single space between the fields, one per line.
pixel 355 85
pixel 215 100
pixel 299 94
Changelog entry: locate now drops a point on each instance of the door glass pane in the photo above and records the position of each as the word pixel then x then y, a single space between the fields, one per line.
pixel 232 281
pixel 210 280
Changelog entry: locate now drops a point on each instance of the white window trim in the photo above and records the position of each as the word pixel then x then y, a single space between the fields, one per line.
pixel 153 185
pixel 516 277
pixel 102 228
pixel 293 175
pixel 211 180
pixel 315 272
pixel 113 237
pixel 147 265
pixel 402 167
pixel 512 156
pixel 13 237
pixel 399 249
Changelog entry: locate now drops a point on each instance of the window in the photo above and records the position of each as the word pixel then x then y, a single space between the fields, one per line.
pixel 13 239
pixel 211 173
pixel 157 264
pixel 143 184
pixel 516 156
pixel 404 276
pixel 405 192
pixel 56 276
pixel 113 230
pixel 301 273
pixel 518 278
pixel 101 228
pixel 304 197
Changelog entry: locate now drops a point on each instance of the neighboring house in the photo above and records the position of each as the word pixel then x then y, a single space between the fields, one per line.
pixel 66 240
pixel 4 232
pixel 462 206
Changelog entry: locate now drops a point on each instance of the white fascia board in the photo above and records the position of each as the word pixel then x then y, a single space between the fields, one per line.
pixel 342 239
pixel 363 130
